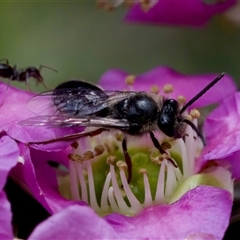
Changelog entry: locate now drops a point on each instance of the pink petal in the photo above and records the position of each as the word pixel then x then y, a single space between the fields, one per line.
pixel 186 13
pixel 204 210
pixel 186 85
pixel 38 178
pixel 222 130
pixel 74 222
pixel 14 108
pixel 9 154
pixel 6 231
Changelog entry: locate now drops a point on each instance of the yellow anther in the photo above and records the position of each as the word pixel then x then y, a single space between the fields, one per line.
pixel 121 165
pixel 195 113
pixel 181 100
pixel 145 5
pixel 188 117
pixel 99 149
pixel 166 145
pixel 168 88
pixel 154 89
pixel 75 157
pixel 105 5
pixel 130 80
pixel 111 159
pixel 88 155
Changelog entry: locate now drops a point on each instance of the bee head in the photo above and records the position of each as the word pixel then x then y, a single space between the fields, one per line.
pixel 170 121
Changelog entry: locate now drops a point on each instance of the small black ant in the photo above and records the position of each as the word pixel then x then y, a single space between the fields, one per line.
pixel 22 75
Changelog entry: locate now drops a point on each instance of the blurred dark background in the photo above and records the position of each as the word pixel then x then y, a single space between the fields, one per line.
pixel 81 41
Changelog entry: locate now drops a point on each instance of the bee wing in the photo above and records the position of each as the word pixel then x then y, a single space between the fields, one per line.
pixel 74 102
pixel 62 121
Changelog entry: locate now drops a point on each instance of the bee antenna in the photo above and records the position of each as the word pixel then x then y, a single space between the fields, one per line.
pixel 203 91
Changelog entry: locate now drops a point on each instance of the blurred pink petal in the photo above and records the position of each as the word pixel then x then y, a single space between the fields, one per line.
pixel 197 209
pixel 9 154
pixel 185 85
pixel 194 13
pixel 74 222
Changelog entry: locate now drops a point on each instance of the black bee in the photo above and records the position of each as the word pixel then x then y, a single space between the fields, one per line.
pixel 22 75
pixel 79 103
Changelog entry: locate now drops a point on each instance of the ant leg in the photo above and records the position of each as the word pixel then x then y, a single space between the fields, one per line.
pixel 40 80
pixel 43 66
pixel 5 60
pixel 5 92
pixel 127 158
pixel 39 69
pixel 72 136
pixel 161 150
pixel 27 82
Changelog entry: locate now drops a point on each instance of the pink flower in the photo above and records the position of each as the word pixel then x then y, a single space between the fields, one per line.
pixel 201 197
pixel 184 13
pixel 193 13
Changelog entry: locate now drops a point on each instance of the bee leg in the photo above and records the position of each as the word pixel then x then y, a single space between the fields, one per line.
pixel 196 130
pixel 127 158
pixel 161 150
pixel 72 137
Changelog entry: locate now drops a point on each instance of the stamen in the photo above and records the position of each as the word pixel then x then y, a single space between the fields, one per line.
pixel 166 146
pixel 75 157
pixel 92 194
pixel 148 196
pixel 121 165
pixel 88 155
pixel 74 181
pixel 168 88
pixel 181 100
pixel 111 191
pixel 83 184
pixel 104 199
pixel 108 5
pixel 130 80
pixel 99 149
pixel 154 89
pixel 191 151
pixel 170 181
pixel 159 196
pixel 195 113
pixel 156 157
pixel 111 159
pixel 188 117
pixel 146 5
pixel 135 204
pixel 123 207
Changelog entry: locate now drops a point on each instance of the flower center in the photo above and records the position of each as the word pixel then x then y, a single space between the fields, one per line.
pixel 99 176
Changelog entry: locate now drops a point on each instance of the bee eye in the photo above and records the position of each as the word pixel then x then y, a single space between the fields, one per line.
pixel 168 117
